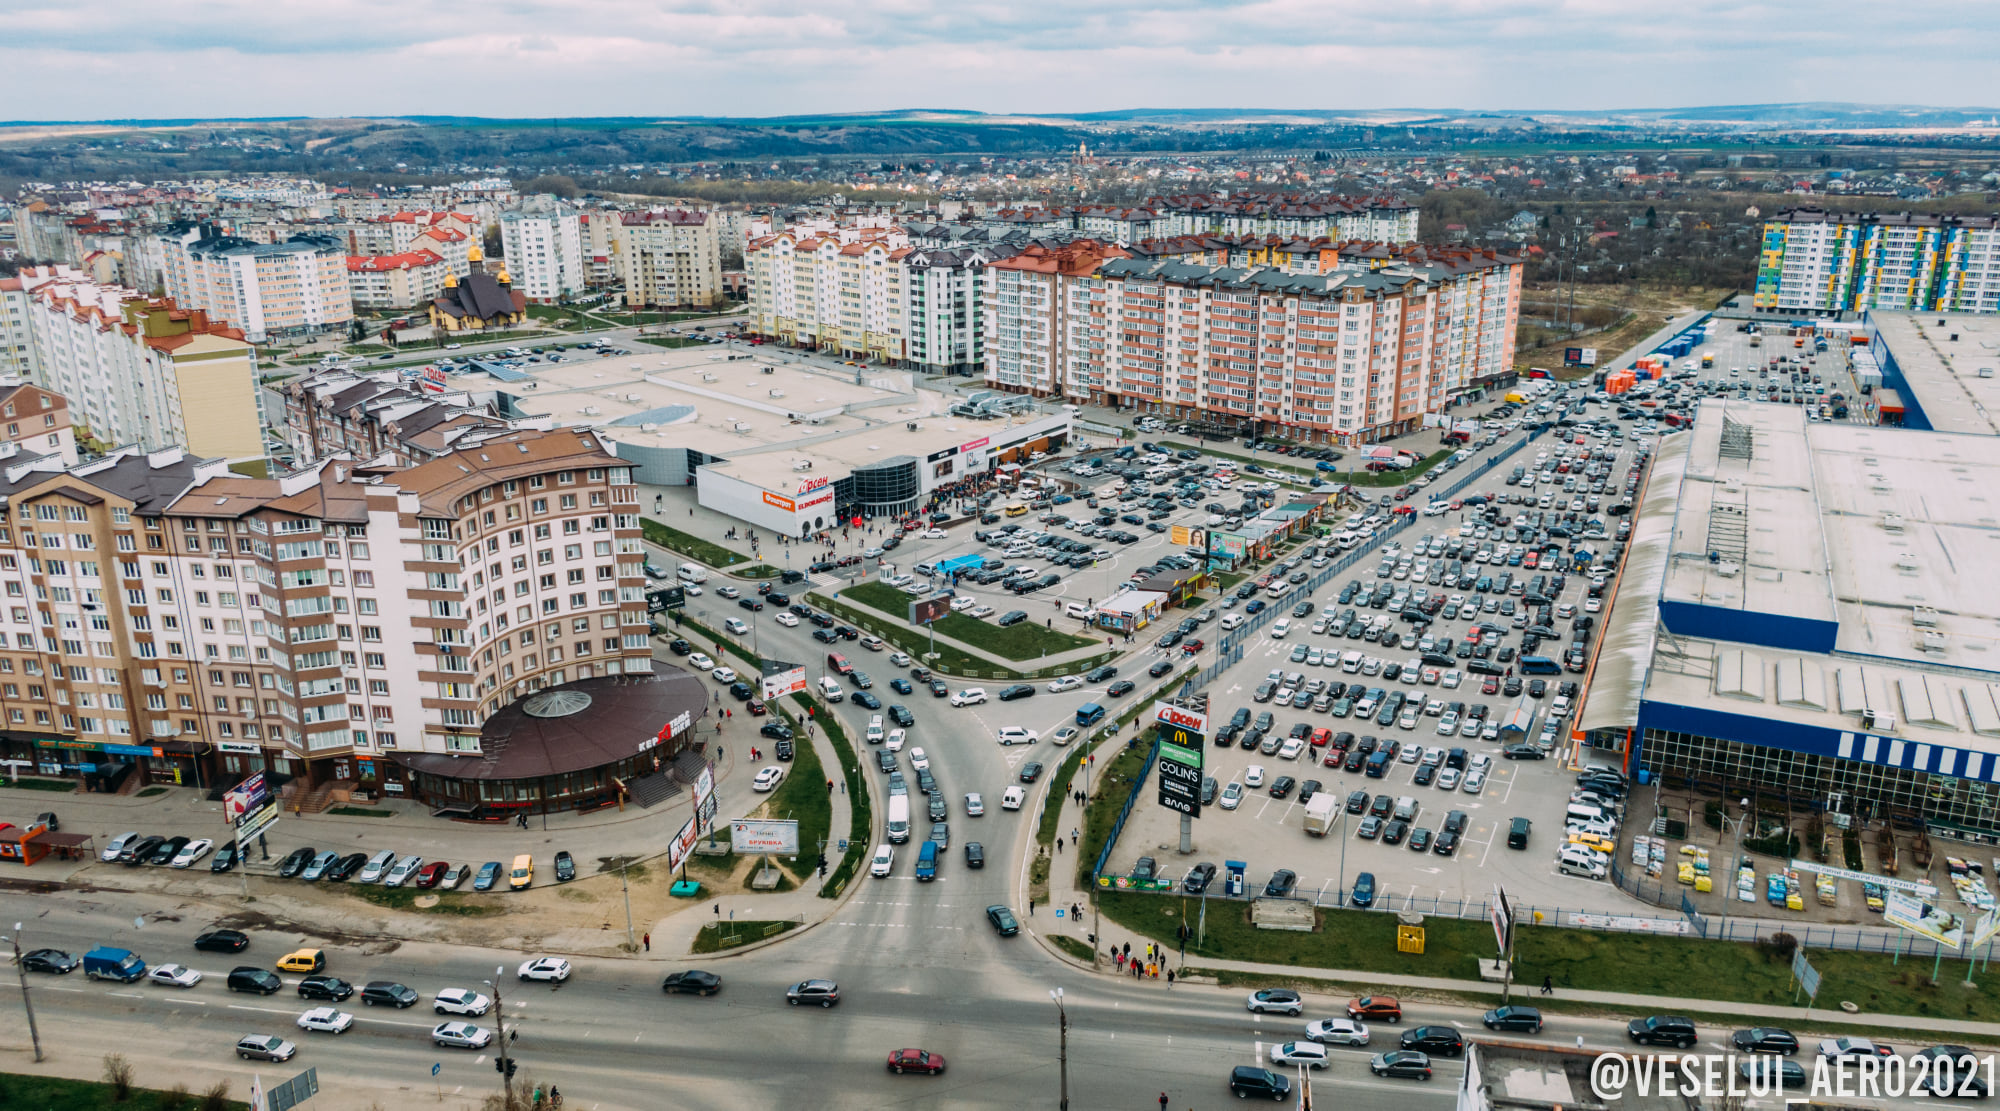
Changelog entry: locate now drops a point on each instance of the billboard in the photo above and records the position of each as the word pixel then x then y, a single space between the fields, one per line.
pixel 704 800
pixel 680 846
pixel 1580 356
pixel 666 598
pixel 1927 920
pixel 1227 544
pixel 765 835
pixel 1984 929
pixel 1183 736
pixel 781 679
pixel 243 798
pixel 1189 537
pixel 1914 887
pixel 923 611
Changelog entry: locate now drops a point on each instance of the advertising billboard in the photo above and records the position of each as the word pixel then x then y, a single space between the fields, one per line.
pixel 1183 736
pixel 1922 918
pixel 781 679
pixel 704 800
pixel 765 835
pixel 1228 545
pixel 244 797
pixel 680 846
pixel 923 611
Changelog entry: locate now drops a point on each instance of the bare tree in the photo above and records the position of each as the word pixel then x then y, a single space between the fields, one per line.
pixel 118 1074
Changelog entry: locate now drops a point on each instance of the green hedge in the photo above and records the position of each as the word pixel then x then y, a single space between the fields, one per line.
pixel 861 828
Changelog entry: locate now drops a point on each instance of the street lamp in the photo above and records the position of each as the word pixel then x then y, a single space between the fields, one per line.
pixel 26 1002
pixel 1062 1051
pixel 500 1021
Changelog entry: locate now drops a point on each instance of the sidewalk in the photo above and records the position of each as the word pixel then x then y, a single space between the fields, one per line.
pixel 1064 892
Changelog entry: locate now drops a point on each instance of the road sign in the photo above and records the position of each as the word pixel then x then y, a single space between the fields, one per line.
pixel 437 1067
pixel 1805 973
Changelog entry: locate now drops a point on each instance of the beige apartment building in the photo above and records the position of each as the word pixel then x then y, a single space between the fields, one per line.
pixel 668 259
pixel 295 287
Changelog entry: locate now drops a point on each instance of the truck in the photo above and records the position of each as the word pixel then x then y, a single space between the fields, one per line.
pixel 1321 812
pixel 106 963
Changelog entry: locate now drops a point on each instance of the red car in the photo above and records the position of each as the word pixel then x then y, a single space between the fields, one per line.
pixel 1192 647
pixel 915 1060
pixel 757 709
pixel 430 874
pixel 1490 686
pixel 1382 1007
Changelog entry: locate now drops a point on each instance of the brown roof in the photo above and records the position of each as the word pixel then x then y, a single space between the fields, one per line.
pixel 441 482
pixel 625 712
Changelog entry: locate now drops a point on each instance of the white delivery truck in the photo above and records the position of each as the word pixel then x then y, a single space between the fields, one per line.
pixel 692 573
pixel 1321 812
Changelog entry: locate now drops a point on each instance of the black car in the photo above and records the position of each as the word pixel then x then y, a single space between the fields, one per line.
pixel 325 987
pixel 776 730
pixel 296 862
pixel 1442 1040
pixel 1523 752
pixel 346 866
pixel 1791 1074
pixel 740 691
pixel 1952 1070
pixel 1765 1039
pixel 1031 771
pixel 1120 689
pixel 387 993
pixel 1281 883
pixel 1251 1080
pixel 225 858
pixel 679 647
pixel 222 941
pixel 863 698
pixel 975 855
pixel 901 715
pixel 783 749
pixel 1018 690
pixel 1395 831
pixel 1282 786
pixel 565 867
pixel 691 982
pixel 1160 668
pixel 939 689
pixel 50 960
pixel 1671 1030
pixel 255 980
pixel 1447 844
pixel 1406 1063
pixel 167 850
pixel 1198 878
pixel 1525 1020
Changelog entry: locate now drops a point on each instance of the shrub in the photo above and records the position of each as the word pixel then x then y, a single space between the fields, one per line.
pixel 118 1074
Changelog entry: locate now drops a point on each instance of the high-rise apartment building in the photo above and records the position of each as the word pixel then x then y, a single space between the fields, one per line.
pixel 294 287
pixel 837 289
pixel 1820 263
pixel 542 239
pixel 668 258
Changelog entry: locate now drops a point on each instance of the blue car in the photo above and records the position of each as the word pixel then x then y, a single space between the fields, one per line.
pixel 1364 891
pixel 489 872
pixel 1255 607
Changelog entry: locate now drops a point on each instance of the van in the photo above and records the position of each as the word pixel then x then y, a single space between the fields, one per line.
pixel 1233 621
pixel 899 819
pixel 927 862
pixel 1575 860
pixel 1089 714
pixel 1517 833
pixel 1016 509
pixel 875 733
pixel 839 663
pixel 1539 665
pixel 830 690
pixel 1406 807
pixel 691 573
pixel 884 862
pixel 1350 662
pixel 1584 812
pixel 1377 765
pixel 522 873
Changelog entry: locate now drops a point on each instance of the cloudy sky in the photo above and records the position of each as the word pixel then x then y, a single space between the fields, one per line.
pixel 92 59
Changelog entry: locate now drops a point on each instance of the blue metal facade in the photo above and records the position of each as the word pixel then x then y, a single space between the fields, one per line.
pixel 1842 744
pixel 1892 377
pixel 1768 630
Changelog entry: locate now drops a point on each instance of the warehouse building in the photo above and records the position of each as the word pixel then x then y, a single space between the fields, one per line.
pixel 1938 371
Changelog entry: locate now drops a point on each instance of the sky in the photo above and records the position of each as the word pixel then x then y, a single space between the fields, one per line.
pixel 102 59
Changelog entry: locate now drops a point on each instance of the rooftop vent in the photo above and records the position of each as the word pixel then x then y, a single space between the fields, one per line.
pixel 1924 617
pixel 1892 522
pixel 1906 562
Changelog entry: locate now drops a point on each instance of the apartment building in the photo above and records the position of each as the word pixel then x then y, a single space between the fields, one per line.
pixel 377 416
pixel 17 339
pixel 542 239
pixel 35 420
pixel 146 372
pixel 1819 263
pixel 597 233
pixel 668 258
pixel 837 289
pixel 325 625
pixel 295 287
pixel 397 232
pixel 1293 215
pixel 944 293
pixel 1349 356
pixel 400 281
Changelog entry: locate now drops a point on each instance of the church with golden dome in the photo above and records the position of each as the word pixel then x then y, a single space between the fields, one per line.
pixel 479 301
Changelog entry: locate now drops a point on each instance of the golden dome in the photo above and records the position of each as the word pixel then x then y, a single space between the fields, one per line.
pixel 476 255
pixel 451 281
pixel 502 277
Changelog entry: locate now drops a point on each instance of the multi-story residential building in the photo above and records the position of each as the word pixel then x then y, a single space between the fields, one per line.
pixel 1820 263
pixel 401 281
pixel 17 339
pixel 542 239
pixel 1353 355
pixel 397 232
pixel 146 372
pixel 298 286
pixel 376 416
pixel 831 289
pixel 597 232
pixel 35 420
pixel 341 624
pixel 669 259
pixel 1292 215
pixel 1122 226
pixel 944 292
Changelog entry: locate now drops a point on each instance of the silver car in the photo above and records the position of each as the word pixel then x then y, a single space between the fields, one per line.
pixel 404 869
pixel 464 1035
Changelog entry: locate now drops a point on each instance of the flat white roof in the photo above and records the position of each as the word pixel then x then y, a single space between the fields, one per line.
pixel 1943 374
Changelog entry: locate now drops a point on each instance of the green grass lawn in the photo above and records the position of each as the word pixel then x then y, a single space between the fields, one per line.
pixel 803 796
pixel 861 830
pixel 1023 641
pixel 48 1093
pixel 717 936
pixel 1636 964
pixel 950 661
pixel 694 547
pixel 33 783
pixel 672 341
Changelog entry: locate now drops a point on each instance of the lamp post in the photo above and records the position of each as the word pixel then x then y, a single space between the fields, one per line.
pixel 1062 1050
pixel 26 1002
pixel 500 1022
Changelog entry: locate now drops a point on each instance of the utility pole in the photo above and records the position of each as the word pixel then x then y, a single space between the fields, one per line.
pixel 500 1021
pixel 1062 1051
pixel 29 1004
pixel 627 888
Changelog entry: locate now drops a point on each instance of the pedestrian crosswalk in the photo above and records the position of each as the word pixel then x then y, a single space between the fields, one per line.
pixel 824 580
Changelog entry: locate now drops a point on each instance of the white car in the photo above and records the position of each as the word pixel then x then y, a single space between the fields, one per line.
pixel 1447 779
pixel 970 696
pixel 981 612
pixel 1066 683
pixel 1291 748
pixel 724 674
pixel 1012 798
pixel 975 805
pixel 700 661
pixel 464 1035
pixel 1312 1055
pixel 788 619
pixel 884 861
pixel 933 534
pixel 1253 776
pixel 894 742
pixel 404 869
pixel 918 760
pixel 963 602
pixel 691 590
pixel 1282 626
pixel 1338 1031
pixel 461 1001
pixel 175 975
pixel 326 1020
pixel 736 626
pixel 875 730
pixel 899 659
pixel 1475 781
pixel 1231 795
pixel 544 968
pixel 729 592
pixel 1015 735
pixel 768 778
pixel 194 851
pixel 1834 1049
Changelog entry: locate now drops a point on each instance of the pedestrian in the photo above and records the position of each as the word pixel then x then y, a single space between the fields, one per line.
pixel 1059 843
pixel 829 786
pixel 718 910
pixel 1548 986
pixel 1118 959
pixel 1031 908
pixel 648 939
pixel 1170 979
pixel 1163 1101
pixel 1128 949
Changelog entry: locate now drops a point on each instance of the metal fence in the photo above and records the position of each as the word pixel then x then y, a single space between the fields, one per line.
pixel 1125 811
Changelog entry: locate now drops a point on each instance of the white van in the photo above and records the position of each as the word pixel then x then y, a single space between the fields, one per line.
pixel 884 862
pixel 1233 621
pixel 830 690
pixel 899 818
pixel 1350 662
pixel 1280 627
pixel 875 733
pixel 1583 812
pixel 692 573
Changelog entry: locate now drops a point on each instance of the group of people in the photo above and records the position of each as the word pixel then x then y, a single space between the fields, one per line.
pixel 1147 966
